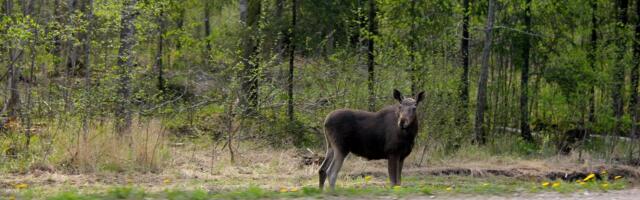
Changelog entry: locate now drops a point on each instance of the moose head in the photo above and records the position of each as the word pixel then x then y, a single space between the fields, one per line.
pixel 407 108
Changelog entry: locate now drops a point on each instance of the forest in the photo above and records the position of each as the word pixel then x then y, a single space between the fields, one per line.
pixel 153 98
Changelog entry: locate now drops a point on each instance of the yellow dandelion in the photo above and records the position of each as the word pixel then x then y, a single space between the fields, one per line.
pixel 545 184
pixel 294 189
pixel 22 186
pixel 449 189
pixel 617 177
pixel 367 178
pixel 581 183
pixel 283 190
pixel 485 184
pixel 605 185
pixel 556 184
pixel 166 181
pixel 589 177
pixel 603 172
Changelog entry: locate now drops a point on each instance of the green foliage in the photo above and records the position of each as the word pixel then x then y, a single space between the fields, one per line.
pixel 183 195
pixel 203 86
pixel 126 193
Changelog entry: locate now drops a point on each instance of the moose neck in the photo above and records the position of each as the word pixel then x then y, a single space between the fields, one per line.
pixel 411 130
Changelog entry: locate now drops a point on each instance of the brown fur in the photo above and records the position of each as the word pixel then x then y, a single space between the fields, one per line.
pixel 386 134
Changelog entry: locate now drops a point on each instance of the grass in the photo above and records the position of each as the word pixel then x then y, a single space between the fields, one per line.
pixel 357 187
pixel 157 166
pixel 57 148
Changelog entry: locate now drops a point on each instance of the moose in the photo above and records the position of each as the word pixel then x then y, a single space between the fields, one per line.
pixel 386 134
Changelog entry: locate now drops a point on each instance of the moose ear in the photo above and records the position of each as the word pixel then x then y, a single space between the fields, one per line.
pixel 420 97
pixel 397 95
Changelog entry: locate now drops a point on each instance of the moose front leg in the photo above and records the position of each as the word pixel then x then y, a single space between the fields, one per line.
pixel 399 171
pixel 393 163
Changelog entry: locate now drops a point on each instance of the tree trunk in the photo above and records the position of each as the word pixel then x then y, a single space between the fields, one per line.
pixel 412 54
pixel 180 25
pixel 525 130
pixel 370 54
pixel 634 76
pixel 282 30
pixel 70 59
pixel 618 73
pixel 160 49
pixel 27 7
pixel 207 32
pixel 593 44
pixel 125 64
pixel 464 50
pixel 57 41
pixel 482 82
pixel 249 17
pixel 32 46
pixel 292 50
pixel 12 104
pixel 87 67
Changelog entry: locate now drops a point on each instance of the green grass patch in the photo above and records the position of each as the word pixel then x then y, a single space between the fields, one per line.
pixel 414 186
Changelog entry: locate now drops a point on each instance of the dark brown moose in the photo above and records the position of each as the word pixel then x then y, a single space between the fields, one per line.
pixel 386 134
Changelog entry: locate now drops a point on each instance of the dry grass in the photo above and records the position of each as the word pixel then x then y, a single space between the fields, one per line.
pixel 100 149
pixel 148 159
pixel 196 166
pixel 65 148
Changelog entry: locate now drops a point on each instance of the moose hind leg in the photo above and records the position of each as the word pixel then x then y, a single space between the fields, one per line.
pixel 336 164
pixel 324 167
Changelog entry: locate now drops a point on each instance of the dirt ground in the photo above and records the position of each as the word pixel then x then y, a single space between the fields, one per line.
pixel 273 169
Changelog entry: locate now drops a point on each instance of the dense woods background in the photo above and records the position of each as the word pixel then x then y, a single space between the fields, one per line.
pixel 88 82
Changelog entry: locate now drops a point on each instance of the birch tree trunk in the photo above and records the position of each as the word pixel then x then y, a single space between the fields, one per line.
pixel 484 73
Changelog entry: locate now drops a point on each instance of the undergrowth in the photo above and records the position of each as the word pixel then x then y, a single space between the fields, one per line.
pixel 65 147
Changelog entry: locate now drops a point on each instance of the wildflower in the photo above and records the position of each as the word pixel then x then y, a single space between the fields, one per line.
pixel 556 184
pixel 603 172
pixel 617 177
pixel 367 179
pixel 166 181
pixel 397 187
pixel 485 184
pixel 545 184
pixel 449 189
pixel 22 186
pixel 294 189
pixel 605 185
pixel 589 177
pixel 581 183
pixel 283 190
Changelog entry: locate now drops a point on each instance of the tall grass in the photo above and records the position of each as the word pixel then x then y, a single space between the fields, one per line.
pixel 65 147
